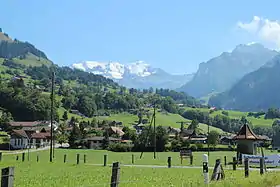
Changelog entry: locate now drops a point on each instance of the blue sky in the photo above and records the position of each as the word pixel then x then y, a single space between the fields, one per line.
pixel 173 35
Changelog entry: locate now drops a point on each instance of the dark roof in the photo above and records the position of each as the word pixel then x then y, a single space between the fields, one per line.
pixel 24 123
pixel 246 133
pixel 21 133
pixel 41 135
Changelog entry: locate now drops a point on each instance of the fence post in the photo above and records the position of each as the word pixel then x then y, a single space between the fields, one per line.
pixel 17 157
pixel 115 174
pixel 225 158
pixel 64 159
pixel 85 158
pixel 7 178
pixel 37 157
pixel 169 162
pixel 246 162
pixel 23 157
pixel 78 158
pixel 132 158
pixel 205 168
pixel 234 163
pixel 261 165
pixel 191 159
pixel 0 156
pixel 105 160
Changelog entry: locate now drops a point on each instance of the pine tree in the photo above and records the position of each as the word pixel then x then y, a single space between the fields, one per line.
pixel 75 136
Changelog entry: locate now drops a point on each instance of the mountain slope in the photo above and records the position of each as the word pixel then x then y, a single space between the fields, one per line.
pixel 137 75
pixel 258 90
pixel 220 73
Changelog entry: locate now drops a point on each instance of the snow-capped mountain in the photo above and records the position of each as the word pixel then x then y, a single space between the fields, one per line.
pixel 137 74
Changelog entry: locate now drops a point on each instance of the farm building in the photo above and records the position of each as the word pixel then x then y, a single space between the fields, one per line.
pixel 33 134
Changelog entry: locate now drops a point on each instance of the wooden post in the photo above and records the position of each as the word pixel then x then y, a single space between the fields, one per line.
pixel 105 160
pixel 85 158
pixel 225 159
pixel 246 162
pixel 17 157
pixel 7 179
pixel 64 159
pixel 37 157
pixel 132 158
pixel 169 162
pixel 23 157
pixel 115 174
pixel 205 168
pixel 78 158
pixel 0 156
pixel 234 163
pixel 261 165
pixel 191 159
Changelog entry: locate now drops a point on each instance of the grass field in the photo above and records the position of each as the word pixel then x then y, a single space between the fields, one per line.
pixel 163 119
pixel 41 174
pixel 237 115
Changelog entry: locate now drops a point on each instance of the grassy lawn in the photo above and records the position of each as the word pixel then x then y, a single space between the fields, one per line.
pixel 237 115
pixel 41 174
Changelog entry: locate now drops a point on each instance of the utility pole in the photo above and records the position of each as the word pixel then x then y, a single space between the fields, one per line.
pixel 155 138
pixel 52 98
pixel 208 129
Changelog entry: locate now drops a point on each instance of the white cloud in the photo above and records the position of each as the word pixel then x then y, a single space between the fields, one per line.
pixel 265 29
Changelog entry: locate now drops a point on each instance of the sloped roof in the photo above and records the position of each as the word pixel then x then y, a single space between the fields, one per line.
pixel 41 135
pixel 246 133
pixel 21 133
pixel 24 123
pixel 117 131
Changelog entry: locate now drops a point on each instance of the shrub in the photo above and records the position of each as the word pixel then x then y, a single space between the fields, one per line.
pixel 225 113
pixel 193 147
pixel 199 145
pixel 118 147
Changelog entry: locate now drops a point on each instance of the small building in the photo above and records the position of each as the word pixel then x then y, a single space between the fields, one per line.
pixel 18 139
pixel 96 142
pixel 41 139
pixel 115 130
pixel 247 141
pixel 227 140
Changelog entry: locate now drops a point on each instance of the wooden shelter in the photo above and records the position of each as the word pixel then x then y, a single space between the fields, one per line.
pixel 246 141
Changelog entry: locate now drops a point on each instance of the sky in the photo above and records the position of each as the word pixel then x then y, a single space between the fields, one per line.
pixel 173 35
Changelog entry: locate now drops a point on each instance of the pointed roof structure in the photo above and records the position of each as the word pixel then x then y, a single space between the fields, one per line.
pixel 246 133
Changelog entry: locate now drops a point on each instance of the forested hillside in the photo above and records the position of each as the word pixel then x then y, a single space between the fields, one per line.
pixel 26 84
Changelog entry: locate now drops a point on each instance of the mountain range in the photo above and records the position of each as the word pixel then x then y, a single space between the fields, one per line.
pixel 138 74
pixel 221 73
pixel 258 90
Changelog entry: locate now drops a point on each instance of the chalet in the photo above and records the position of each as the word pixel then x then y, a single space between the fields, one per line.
pixel 41 139
pixel 96 142
pixel 227 140
pixel 115 130
pixel 34 134
pixel 18 139
pixel 192 136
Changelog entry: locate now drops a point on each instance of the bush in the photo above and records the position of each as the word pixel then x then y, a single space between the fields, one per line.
pixel 118 147
pixel 199 145
pixel 193 147
pixel 225 113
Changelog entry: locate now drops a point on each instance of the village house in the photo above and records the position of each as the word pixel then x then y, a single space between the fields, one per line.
pixel 34 134
pixel 18 139
pixel 193 137
pixel 115 131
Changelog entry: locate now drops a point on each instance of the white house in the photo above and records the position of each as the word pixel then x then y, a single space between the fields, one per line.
pixel 18 139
